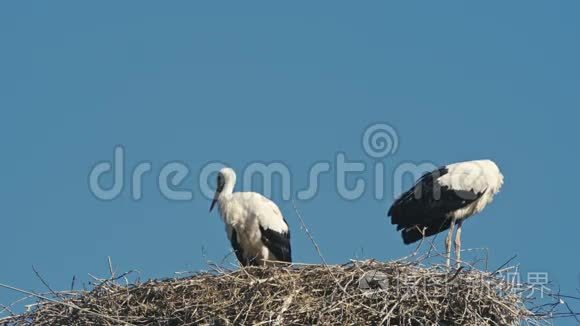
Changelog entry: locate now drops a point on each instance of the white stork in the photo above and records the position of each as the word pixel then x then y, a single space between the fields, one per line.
pixel 254 225
pixel 444 198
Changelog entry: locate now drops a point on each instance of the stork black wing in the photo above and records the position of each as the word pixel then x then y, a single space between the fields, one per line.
pixel 426 205
pixel 238 249
pixel 278 244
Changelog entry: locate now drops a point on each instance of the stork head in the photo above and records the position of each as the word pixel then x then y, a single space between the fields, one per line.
pixel 226 179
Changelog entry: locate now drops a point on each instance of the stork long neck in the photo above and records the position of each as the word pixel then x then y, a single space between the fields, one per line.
pixel 228 186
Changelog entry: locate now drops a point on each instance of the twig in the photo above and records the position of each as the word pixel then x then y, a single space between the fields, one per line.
pixel 307 231
pixel 72 283
pixel 44 282
pixel 111 271
pixel 504 264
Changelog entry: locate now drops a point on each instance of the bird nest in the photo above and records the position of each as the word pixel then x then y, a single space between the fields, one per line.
pixel 357 293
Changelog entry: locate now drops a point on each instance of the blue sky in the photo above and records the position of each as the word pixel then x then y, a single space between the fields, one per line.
pixel 293 83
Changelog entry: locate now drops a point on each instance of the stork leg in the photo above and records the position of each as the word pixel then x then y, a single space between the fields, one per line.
pixel 448 242
pixel 458 244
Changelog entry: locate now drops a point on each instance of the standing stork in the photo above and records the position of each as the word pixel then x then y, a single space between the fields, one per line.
pixel 443 199
pixel 254 225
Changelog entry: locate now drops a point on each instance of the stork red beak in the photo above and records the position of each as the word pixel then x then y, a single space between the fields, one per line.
pixel 213 204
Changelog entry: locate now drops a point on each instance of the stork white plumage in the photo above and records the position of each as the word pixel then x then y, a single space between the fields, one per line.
pixel 254 224
pixel 444 198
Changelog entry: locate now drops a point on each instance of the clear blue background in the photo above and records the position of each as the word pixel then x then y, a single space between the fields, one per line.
pixel 296 83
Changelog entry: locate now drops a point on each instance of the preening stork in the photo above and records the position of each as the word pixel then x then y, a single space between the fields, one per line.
pixel 254 224
pixel 443 199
